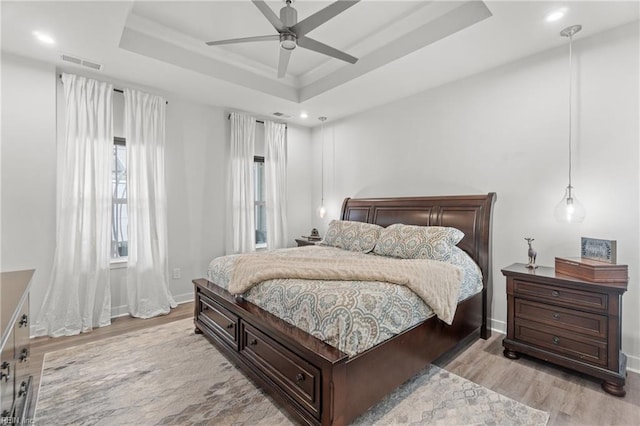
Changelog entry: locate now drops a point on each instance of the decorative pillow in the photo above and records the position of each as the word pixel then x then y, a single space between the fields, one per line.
pixel 353 236
pixel 418 242
pixel 472 281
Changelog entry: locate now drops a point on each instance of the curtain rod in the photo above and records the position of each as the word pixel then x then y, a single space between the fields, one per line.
pixel 117 90
pixel 258 121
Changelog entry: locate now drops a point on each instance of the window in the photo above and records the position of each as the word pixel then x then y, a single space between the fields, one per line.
pixel 260 205
pixel 119 222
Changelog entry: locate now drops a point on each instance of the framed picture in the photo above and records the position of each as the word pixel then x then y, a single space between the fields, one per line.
pixel 602 250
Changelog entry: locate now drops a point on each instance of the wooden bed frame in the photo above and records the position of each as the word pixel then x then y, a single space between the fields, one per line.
pixel 319 384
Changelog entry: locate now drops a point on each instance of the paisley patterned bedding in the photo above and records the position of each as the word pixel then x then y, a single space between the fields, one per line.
pixel 350 315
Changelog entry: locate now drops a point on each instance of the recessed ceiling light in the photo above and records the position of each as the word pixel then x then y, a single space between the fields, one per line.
pixel 303 114
pixel 44 38
pixel 556 14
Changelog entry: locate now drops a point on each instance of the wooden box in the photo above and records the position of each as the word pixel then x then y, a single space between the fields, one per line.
pixel 593 270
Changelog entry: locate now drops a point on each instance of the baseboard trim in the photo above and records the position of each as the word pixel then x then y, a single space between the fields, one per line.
pixel 633 363
pixel 123 310
pixel 499 326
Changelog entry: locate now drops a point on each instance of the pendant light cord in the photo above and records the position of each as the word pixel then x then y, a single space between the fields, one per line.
pixel 570 97
pixel 322 171
pixel 322 119
pixel 570 32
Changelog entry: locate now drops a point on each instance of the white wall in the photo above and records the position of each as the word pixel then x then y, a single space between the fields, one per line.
pixel 299 180
pixel 28 169
pixel 506 131
pixel 195 161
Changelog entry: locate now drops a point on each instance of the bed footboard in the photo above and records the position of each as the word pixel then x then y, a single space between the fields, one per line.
pixel 317 383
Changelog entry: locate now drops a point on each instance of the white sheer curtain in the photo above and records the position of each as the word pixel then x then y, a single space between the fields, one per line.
pixel 147 265
pixel 241 197
pixel 78 297
pixel 275 170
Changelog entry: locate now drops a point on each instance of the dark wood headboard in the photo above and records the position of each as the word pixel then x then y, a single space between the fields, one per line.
pixel 469 213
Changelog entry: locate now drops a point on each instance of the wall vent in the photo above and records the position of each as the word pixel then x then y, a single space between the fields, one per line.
pixel 281 115
pixel 82 62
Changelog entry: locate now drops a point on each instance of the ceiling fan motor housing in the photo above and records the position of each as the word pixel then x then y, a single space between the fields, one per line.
pixel 288 16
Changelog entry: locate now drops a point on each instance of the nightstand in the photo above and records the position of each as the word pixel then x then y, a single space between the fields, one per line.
pixel 305 242
pixel 566 321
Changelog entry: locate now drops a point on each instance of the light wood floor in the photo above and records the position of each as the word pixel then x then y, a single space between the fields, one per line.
pixel 570 398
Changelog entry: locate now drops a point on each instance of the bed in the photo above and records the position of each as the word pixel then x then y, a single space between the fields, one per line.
pixel 320 384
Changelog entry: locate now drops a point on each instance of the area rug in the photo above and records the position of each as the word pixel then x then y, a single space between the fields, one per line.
pixel 167 375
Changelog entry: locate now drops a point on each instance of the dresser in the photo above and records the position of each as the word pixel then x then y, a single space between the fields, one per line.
pixel 15 375
pixel 566 321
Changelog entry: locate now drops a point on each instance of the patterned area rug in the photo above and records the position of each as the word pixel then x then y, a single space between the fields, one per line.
pixel 167 375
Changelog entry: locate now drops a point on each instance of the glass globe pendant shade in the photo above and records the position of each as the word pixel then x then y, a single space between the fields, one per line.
pixel 322 211
pixel 569 209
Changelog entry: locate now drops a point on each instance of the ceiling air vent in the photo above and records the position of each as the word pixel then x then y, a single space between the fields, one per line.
pixel 281 115
pixel 81 62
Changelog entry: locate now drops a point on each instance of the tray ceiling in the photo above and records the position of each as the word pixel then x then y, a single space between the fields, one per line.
pixel 403 47
pixel 175 32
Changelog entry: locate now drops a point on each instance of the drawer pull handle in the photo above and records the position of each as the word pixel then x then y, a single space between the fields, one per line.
pixel 556 340
pixel 230 326
pixel 556 315
pixel 23 321
pixel 300 378
pixel 555 293
pixel 253 342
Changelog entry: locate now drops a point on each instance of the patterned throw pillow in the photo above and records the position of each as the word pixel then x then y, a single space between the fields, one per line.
pixel 418 242
pixel 353 236
pixel 472 281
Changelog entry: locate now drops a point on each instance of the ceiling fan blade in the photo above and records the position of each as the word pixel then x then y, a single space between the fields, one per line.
pixel 283 63
pixel 316 46
pixel 322 16
pixel 269 14
pixel 244 40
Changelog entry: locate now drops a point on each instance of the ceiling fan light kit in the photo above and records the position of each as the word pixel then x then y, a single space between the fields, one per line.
pixel 288 41
pixel 291 33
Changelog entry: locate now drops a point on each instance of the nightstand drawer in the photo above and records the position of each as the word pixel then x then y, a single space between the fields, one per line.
pixel 569 319
pixel 561 295
pixel 561 342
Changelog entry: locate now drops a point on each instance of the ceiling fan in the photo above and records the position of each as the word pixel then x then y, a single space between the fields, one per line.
pixel 292 33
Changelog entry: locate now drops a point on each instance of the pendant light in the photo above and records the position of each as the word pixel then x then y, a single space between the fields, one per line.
pixel 322 210
pixel 569 209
